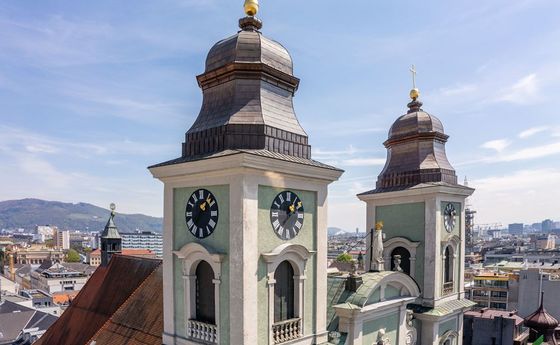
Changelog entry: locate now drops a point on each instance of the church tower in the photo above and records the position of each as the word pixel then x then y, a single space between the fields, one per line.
pixel 111 241
pixel 422 207
pixel 245 206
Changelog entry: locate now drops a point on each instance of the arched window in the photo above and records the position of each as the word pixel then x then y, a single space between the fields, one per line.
pixel 205 304
pixel 404 257
pixel 448 265
pixel 284 292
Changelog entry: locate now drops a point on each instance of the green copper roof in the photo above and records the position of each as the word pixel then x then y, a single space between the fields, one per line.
pixel 110 230
pixel 443 309
pixel 371 282
pixel 336 294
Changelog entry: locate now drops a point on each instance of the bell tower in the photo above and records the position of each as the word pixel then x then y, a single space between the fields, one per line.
pixel 422 207
pixel 111 241
pixel 245 206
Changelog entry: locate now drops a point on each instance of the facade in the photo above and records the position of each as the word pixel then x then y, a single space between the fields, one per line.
pixel 516 229
pixel 494 290
pixel 493 327
pixel 53 278
pixel 531 282
pixel 36 255
pixel 62 239
pixel 143 240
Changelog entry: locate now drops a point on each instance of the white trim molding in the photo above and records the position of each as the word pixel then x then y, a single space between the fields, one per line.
pixel 453 336
pixel 407 244
pixel 192 254
pixel 297 255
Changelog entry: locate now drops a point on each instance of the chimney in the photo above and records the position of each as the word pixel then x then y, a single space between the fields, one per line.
pixel 12 269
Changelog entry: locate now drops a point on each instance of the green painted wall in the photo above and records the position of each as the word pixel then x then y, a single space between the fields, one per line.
pixel 219 241
pixel 391 292
pixel 374 297
pixel 267 241
pixel 449 325
pixel 389 322
pixel 405 220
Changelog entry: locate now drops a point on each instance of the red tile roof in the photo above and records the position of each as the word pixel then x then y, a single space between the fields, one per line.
pixel 129 252
pixel 105 293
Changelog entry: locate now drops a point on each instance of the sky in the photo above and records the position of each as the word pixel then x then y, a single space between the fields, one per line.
pixel 93 92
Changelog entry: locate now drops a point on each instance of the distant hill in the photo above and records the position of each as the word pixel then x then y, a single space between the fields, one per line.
pixel 28 213
pixel 335 231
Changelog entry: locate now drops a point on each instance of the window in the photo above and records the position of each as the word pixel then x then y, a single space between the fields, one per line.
pixel 205 304
pixel 448 265
pixel 405 259
pixel 284 292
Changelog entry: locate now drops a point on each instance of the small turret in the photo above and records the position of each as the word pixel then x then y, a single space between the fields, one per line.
pixel 111 241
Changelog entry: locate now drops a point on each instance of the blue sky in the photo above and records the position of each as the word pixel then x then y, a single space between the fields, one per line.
pixel 94 92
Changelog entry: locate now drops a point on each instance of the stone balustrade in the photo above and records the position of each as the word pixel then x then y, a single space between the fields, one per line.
pixel 206 332
pixel 286 330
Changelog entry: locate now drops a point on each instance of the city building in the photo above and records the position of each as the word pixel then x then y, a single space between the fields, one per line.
pixel 20 324
pixel 494 327
pixel 36 255
pixel 62 239
pixel 532 282
pixel 143 240
pixel 57 277
pixel 45 230
pixel 42 301
pixel 95 256
pixel 494 290
pixel 516 229
pixel 547 225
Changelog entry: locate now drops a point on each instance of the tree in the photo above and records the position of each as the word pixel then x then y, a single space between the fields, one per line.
pixel 73 256
pixel 344 257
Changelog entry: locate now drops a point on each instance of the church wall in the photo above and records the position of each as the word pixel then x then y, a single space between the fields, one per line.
pixel 219 241
pixel 449 325
pixel 371 328
pixel 411 226
pixel 267 241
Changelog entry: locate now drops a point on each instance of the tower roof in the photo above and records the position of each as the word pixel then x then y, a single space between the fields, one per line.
pixel 415 151
pixel 111 230
pixel 541 320
pixel 247 87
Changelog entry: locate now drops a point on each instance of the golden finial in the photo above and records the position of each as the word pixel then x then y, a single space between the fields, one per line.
pixel 414 93
pixel 251 7
pixel 379 226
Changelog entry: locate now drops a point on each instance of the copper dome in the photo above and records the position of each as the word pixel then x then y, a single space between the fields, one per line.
pixel 249 46
pixel 541 320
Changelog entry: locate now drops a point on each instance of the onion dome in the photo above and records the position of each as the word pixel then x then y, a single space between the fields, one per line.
pixel 541 320
pixel 415 151
pixel 247 87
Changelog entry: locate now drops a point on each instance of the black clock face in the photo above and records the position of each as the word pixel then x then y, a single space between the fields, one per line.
pixel 286 215
pixel 201 213
pixel 449 217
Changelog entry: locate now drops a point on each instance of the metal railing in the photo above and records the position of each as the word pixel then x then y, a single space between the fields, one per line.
pixel 202 331
pixel 284 331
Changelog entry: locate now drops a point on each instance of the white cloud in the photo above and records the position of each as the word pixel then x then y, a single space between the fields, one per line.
pixel 532 153
pixel 361 162
pixel 532 131
pixel 458 90
pixel 524 91
pixel 506 198
pixel 498 145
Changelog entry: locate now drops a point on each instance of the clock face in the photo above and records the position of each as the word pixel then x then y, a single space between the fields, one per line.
pixel 449 217
pixel 286 215
pixel 201 213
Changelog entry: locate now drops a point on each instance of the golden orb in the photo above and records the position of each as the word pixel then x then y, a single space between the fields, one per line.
pixel 251 7
pixel 414 93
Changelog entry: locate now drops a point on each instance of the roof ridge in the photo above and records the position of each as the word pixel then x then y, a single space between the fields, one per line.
pixel 125 301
